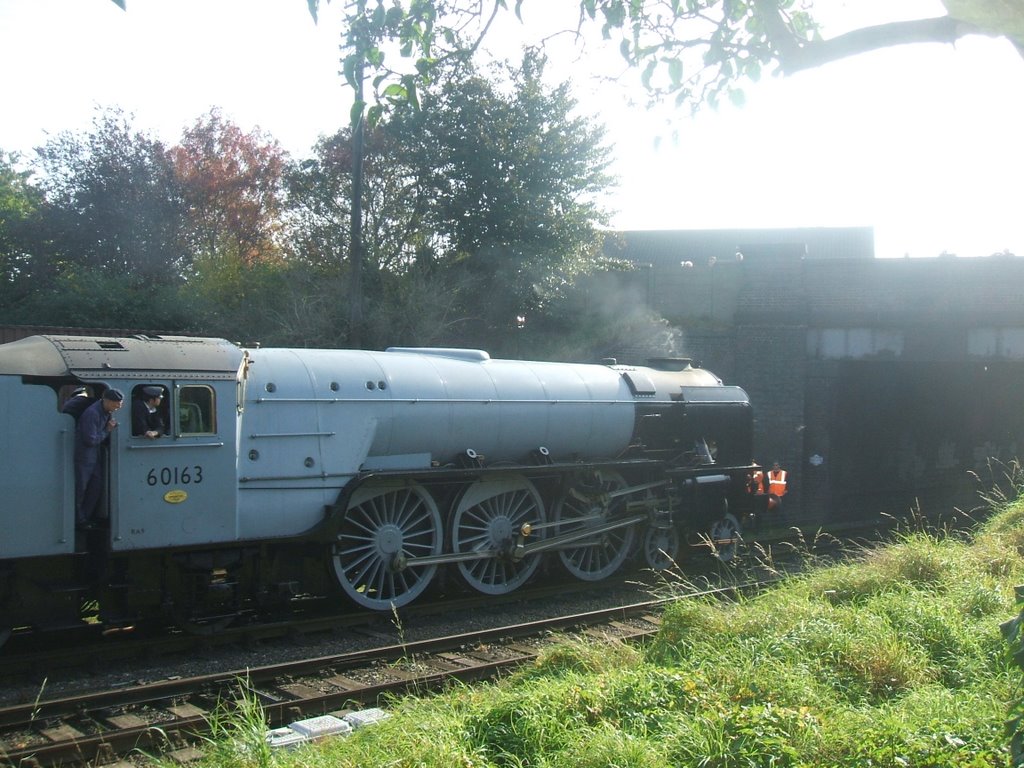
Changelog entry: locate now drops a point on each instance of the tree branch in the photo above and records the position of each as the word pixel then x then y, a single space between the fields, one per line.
pixel 780 36
pixel 942 29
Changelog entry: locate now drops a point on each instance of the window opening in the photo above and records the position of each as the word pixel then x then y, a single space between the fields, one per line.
pixel 196 412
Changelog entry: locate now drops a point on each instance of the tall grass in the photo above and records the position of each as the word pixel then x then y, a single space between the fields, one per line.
pixel 893 659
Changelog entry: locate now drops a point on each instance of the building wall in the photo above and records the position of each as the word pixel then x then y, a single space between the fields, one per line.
pixel 880 384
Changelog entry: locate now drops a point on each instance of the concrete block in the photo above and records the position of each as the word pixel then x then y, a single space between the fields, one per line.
pixel 366 717
pixel 318 727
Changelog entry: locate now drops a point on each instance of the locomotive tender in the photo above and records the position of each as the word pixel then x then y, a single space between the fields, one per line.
pixel 287 474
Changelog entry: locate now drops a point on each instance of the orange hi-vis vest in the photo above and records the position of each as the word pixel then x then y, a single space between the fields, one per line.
pixel 777 482
pixel 756 484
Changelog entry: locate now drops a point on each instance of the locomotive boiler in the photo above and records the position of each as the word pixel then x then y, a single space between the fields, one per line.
pixel 293 474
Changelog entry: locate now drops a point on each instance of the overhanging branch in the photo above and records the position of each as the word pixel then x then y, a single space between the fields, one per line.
pixel 942 29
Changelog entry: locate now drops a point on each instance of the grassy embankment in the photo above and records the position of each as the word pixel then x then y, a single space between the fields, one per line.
pixel 893 660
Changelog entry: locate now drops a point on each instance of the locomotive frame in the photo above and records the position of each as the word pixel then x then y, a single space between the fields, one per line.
pixel 290 475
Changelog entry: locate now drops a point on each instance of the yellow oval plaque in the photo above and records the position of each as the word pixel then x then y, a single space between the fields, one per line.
pixel 175 497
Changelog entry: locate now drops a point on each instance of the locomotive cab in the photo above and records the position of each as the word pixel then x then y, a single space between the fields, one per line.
pixel 179 487
pixel 153 488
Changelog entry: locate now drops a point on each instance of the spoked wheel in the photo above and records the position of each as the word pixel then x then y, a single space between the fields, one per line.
pixel 489 521
pixel 382 529
pixel 587 506
pixel 661 548
pixel 724 534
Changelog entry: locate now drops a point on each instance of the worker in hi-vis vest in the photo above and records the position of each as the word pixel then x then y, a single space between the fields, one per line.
pixel 757 486
pixel 776 486
pixel 755 482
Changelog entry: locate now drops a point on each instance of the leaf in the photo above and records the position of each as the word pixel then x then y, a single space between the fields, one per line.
pixel 314 6
pixel 373 115
pixel 123 5
pixel 614 14
pixel 737 97
pixel 356 113
pixel 396 91
pixel 348 66
pixel 645 77
pixel 675 72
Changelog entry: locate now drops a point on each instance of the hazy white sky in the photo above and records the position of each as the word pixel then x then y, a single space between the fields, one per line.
pixel 922 142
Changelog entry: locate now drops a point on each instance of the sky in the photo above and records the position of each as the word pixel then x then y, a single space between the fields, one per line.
pixel 919 142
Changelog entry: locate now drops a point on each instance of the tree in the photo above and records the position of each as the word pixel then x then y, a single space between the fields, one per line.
pixel 511 213
pixel 20 245
pixel 367 30
pixel 471 227
pixel 112 202
pixel 320 202
pixel 232 185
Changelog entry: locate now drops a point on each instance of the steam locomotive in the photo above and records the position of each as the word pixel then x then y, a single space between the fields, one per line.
pixel 290 474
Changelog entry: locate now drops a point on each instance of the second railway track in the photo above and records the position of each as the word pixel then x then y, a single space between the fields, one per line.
pixel 172 715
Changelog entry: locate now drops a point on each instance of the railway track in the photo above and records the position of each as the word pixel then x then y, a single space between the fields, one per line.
pixel 88 646
pixel 171 717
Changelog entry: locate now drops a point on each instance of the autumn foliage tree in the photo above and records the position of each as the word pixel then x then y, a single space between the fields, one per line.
pixel 232 187
pixel 231 183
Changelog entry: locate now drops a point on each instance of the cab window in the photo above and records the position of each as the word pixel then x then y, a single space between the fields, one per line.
pixel 196 412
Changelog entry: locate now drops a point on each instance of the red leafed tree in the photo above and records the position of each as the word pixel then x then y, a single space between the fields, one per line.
pixel 232 184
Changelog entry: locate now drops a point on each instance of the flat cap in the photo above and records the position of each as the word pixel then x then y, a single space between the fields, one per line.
pixel 153 391
pixel 113 394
